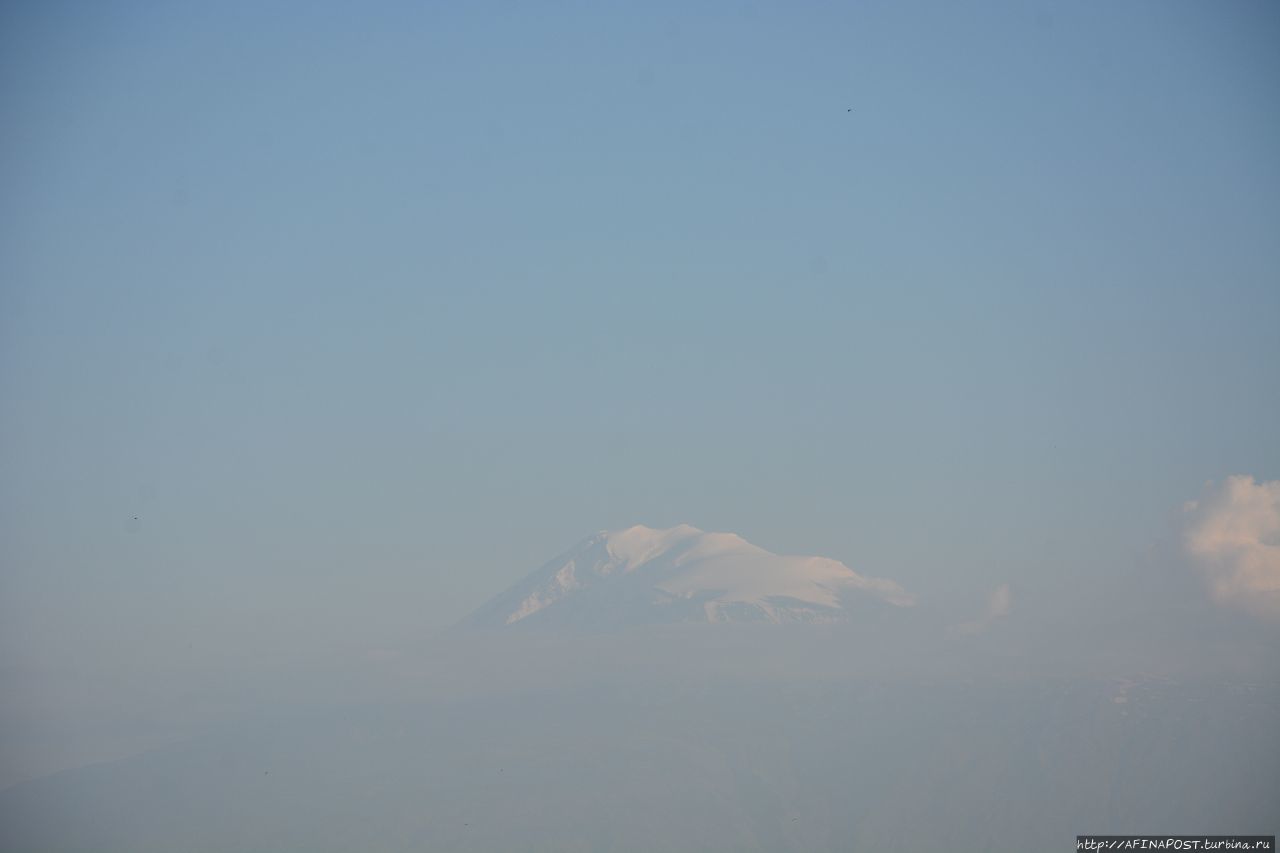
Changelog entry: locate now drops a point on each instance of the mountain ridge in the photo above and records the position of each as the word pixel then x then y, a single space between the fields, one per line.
pixel 644 575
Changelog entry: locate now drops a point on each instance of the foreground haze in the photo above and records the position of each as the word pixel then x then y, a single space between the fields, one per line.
pixel 689 742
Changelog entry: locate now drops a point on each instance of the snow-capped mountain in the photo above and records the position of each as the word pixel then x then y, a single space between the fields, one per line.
pixel 644 576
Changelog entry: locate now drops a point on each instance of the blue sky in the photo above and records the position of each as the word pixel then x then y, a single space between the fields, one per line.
pixel 365 312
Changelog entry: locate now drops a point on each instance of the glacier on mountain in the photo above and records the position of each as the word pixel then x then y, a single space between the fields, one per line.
pixel 643 575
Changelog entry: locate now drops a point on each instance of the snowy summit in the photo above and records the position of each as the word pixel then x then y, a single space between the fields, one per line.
pixel 645 576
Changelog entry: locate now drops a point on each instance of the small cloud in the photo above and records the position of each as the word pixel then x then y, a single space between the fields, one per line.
pixel 999 605
pixel 1232 534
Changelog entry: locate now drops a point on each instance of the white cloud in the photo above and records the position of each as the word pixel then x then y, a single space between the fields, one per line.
pixel 1233 536
pixel 999 605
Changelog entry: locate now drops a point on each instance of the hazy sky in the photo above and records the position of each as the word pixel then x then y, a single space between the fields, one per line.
pixel 363 313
